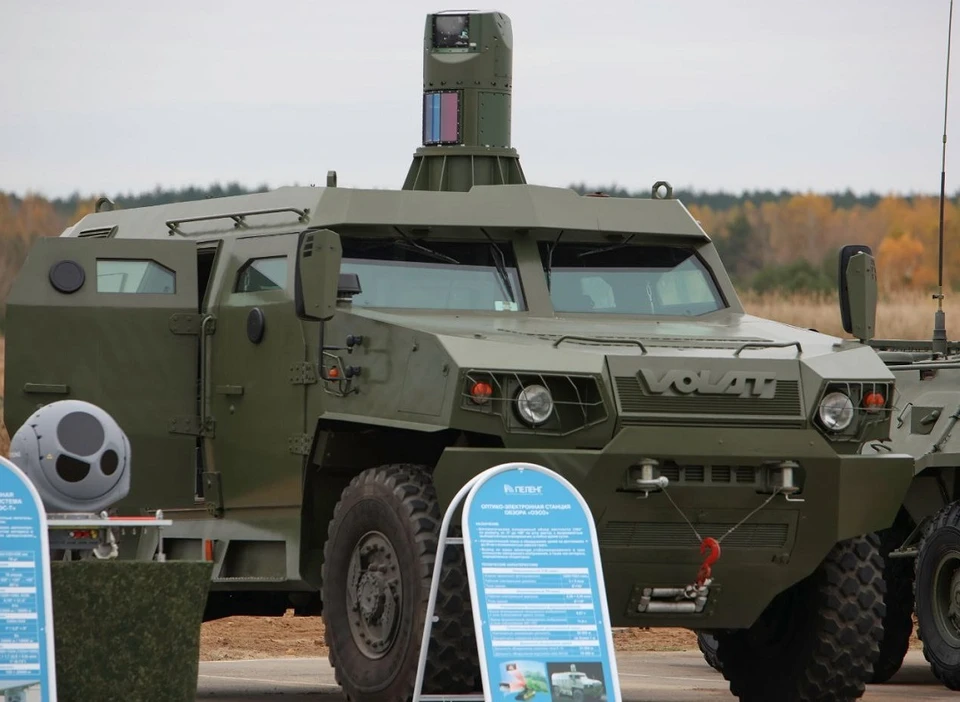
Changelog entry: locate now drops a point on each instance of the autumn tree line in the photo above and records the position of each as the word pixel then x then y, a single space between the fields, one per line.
pixel 770 241
pixel 787 241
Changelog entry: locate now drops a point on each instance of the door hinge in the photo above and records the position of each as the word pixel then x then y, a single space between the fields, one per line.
pixel 191 425
pixel 303 374
pixel 300 444
pixel 190 323
pixel 213 493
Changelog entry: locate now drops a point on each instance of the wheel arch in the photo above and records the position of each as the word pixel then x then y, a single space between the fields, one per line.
pixel 932 488
pixel 340 451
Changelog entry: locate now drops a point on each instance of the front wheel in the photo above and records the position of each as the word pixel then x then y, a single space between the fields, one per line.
pixel 937 595
pixel 707 643
pixel 819 639
pixel 377 570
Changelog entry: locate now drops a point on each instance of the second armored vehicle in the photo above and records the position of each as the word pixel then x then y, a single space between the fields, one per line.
pixel 308 375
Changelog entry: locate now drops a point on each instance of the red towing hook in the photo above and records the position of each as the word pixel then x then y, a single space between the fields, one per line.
pixel 714 546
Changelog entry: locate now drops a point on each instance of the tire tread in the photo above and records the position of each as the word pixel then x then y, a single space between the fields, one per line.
pixel 948 516
pixel 453 661
pixel 842 637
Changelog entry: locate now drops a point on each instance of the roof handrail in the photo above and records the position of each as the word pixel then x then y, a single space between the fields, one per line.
pixel 237 217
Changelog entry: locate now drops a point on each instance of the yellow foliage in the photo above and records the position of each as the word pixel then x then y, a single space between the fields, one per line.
pixel 900 257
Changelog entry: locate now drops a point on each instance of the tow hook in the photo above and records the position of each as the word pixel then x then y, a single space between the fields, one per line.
pixel 647 482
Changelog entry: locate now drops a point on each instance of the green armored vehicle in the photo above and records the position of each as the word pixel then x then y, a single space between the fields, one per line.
pixel 922 546
pixel 308 375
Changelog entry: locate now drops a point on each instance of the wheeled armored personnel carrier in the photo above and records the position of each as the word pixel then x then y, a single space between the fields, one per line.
pixel 922 547
pixel 308 375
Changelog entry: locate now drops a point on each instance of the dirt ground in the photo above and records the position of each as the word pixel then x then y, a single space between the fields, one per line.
pixel 241 638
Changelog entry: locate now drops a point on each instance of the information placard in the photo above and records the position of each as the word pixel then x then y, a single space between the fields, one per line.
pixel 537 588
pixel 27 667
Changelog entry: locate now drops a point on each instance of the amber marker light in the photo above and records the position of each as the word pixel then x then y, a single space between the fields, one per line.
pixel 481 392
pixel 874 402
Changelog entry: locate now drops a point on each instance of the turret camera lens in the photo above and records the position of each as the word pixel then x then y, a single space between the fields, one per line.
pixel 450 31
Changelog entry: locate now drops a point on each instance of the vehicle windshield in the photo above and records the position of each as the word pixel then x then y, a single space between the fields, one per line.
pixel 440 275
pixel 639 279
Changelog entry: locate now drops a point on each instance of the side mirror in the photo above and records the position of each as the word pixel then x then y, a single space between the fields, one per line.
pixel 857 284
pixel 317 274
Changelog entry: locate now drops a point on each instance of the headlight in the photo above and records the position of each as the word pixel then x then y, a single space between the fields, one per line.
pixel 836 411
pixel 534 404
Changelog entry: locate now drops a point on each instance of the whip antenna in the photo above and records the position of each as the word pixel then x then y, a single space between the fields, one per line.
pixel 939 325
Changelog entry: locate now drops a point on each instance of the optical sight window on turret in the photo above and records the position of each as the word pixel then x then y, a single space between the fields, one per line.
pixel 451 31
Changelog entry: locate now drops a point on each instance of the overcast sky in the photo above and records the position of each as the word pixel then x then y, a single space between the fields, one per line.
pixel 111 96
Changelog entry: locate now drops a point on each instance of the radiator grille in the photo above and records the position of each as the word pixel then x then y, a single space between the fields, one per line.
pixel 633 399
pixel 678 535
pixel 720 474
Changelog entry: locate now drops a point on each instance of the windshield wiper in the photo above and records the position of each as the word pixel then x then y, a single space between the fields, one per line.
pixel 550 258
pixel 408 243
pixel 500 262
pixel 602 249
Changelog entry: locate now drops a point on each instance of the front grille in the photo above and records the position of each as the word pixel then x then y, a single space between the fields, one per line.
pixel 720 474
pixel 633 400
pixel 680 535
pixel 716 475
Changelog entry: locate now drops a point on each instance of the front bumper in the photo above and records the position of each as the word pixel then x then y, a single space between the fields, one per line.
pixel 645 541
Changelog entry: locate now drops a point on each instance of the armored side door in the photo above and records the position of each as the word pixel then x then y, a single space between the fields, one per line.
pixel 114 322
pixel 257 377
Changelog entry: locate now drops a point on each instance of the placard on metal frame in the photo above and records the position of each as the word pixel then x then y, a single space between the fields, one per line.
pixel 536 587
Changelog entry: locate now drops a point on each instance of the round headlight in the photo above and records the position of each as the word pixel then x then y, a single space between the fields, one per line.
pixel 534 404
pixel 836 411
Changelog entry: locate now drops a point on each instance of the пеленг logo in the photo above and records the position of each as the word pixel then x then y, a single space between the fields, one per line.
pixel 523 489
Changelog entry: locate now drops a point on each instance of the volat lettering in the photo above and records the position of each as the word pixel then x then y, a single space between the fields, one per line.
pixel 742 383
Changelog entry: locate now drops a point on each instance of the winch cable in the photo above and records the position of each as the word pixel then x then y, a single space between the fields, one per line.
pixel 714 544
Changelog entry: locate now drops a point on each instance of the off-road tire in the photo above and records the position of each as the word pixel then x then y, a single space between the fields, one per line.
pixel 707 643
pixel 941 538
pixel 829 633
pixel 399 502
pixel 898 621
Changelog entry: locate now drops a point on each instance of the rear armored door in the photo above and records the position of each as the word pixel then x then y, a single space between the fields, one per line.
pixel 113 322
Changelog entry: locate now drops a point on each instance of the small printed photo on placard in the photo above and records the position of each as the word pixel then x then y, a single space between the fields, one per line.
pixel 523 680
pixel 577 681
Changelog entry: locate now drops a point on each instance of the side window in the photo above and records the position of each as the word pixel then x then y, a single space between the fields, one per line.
pixel 130 276
pixel 259 274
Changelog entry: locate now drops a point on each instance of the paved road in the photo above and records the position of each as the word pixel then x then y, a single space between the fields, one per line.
pixel 644 677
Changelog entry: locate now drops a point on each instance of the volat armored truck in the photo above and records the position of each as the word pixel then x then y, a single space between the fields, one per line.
pixel 308 375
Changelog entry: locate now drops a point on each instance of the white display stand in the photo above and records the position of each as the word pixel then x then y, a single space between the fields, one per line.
pixel 536 587
pixel 27 669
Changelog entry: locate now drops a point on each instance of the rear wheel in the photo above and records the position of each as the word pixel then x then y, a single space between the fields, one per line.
pixel 819 639
pixel 378 565
pixel 937 595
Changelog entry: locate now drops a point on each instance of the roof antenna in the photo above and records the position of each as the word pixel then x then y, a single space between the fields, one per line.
pixel 939 326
